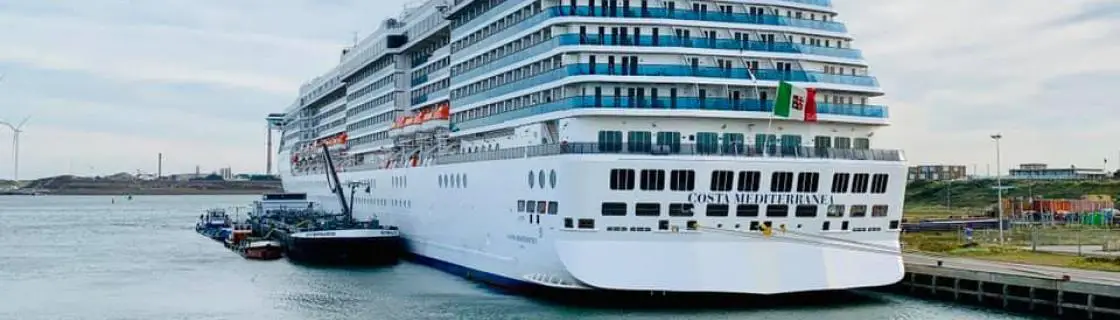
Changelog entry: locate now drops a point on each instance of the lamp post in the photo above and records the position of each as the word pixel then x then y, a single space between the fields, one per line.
pixel 999 188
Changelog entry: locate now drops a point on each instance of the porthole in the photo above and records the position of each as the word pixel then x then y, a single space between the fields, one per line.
pixel 540 178
pixel 464 180
pixel 457 181
pixel 552 178
pixel 530 179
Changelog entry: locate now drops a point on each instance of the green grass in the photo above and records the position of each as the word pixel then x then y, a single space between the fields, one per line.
pixel 948 243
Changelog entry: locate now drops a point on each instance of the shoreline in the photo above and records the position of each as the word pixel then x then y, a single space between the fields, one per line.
pixel 172 192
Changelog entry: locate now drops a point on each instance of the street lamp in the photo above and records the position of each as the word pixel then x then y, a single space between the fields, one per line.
pixel 999 188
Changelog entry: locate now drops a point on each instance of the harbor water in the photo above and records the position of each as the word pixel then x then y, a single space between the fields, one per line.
pixel 114 258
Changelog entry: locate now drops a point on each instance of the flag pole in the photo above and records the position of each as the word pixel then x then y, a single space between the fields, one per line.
pixel 770 120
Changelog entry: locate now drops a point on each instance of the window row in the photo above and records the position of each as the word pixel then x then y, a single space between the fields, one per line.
pixel 370 105
pixel 453 180
pixel 373 121
pixel 712 142
pixel 382 83
pixel 422 55
pixel 430 88
pixel 651 209
pixel 371 69
pixel 511 76
pixel 540 207
pixel 363 140
pixel 859 183
pixel 496 26
pixel 512 104
pixel 515 46
pixel 421 76
pixel 472 11
pixel 748 181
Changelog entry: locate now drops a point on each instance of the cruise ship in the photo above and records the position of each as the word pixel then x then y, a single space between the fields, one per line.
pixel 661 146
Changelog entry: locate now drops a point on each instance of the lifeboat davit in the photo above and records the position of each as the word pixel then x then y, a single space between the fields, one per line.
pixel 441 117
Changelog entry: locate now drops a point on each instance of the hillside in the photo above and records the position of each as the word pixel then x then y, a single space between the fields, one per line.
pixel 980 193
pixel 71 185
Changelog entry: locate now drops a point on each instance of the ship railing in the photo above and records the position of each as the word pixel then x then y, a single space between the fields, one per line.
pixel 733 149
pixel 724 150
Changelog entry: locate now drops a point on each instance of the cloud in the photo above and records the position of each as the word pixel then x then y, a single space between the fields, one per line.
pixel 110 83
pixel 957 71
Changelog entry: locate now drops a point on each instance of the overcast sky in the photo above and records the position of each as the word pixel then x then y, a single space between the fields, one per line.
pixel 108 84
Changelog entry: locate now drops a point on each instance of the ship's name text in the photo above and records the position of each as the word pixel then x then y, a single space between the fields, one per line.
pixel 759 198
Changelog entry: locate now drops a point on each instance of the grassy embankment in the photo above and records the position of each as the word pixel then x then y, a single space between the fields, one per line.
pixel 928 200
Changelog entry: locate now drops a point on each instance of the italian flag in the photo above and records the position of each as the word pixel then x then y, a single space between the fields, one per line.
pixel 796 103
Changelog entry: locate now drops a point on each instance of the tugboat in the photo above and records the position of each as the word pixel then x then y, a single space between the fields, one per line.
pixel 260 249
pixel 311 235
pixel 214 224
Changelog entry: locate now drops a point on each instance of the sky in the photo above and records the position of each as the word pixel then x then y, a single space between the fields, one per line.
pixel 109 84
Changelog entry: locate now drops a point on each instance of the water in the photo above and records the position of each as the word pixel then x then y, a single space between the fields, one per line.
pixel 89 258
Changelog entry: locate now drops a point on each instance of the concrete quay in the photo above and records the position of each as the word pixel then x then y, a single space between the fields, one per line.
pixel 1051 291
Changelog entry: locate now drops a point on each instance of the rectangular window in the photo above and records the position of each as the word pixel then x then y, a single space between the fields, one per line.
pixel 639 141
pixel 858 211
pixel 542 206
pixel 647 209
pixel 682 180
pixel 721 180
pixel 836 211
pixel 746 210
pixel 733 143
pixel 777 210
pixel 614 209
pixel 670 141
pixel 781 181
pixel 552 207
pixel 840 182
pixel 530 206
pixel 859 182
pixel 707 142
pixel 822 142
pixel 587 223
pixel 610 141
pixel 860 143
pixel 879 211
pixel 806 211
pixel 749 181
pixel 653 180
pixel 680 210
pixel 716 210
pixel 622 179
pixel 520 205
pixel 879 183
pixel 808 182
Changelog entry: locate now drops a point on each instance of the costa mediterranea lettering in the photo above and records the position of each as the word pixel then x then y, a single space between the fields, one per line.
pixel 759 198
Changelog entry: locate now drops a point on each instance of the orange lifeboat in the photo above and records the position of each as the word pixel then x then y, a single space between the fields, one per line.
pixel 441 116
pixel 410 125
pixel 398 126
pixel 426 124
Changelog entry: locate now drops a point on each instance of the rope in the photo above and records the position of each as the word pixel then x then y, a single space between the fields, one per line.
pixel 854 245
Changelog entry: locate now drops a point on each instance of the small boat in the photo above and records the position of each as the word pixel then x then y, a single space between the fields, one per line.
pixel 260 250
pixel 214 224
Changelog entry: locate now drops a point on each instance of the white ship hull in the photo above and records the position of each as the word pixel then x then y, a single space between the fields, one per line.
pixel 473 226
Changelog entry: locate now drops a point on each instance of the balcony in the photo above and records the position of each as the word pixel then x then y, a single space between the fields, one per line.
pixel 689 103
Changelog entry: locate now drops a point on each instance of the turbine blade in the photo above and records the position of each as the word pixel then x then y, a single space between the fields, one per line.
pixel 21 123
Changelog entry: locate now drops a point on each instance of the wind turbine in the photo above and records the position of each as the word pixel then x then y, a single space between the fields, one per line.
pixel 16 130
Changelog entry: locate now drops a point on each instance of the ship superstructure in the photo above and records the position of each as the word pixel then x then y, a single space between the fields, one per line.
pixel 613 144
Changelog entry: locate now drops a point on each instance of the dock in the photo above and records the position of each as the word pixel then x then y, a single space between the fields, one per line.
pixel 1051 291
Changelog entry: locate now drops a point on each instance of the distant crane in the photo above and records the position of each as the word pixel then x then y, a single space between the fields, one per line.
pixel 16 130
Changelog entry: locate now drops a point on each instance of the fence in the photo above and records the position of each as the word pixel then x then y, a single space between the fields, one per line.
pixel 1078 240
